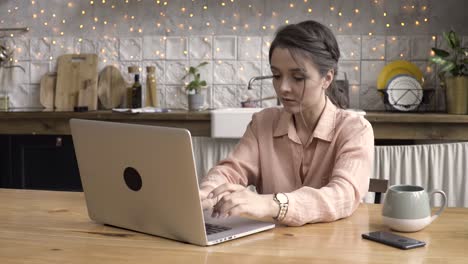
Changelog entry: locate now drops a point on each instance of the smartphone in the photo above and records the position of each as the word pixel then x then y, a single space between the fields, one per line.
pixel 393 240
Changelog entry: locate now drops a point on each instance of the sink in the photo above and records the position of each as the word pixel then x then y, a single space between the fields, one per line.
pixel 231 122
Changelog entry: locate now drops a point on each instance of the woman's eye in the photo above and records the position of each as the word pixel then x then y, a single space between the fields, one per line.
pixel 276 77
pixel 299 79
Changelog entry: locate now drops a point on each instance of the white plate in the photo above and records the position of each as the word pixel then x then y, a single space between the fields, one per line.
pixel 404 93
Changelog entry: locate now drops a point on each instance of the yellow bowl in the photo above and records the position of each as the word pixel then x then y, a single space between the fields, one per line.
pixel 395 68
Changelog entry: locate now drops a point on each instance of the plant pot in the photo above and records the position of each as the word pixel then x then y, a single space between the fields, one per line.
pixel 196 102
pixel 456 94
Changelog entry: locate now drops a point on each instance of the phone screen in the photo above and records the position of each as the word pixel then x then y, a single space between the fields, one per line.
pixel 393 240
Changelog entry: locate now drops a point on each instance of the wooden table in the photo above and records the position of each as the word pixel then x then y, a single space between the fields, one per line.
pixel 53 227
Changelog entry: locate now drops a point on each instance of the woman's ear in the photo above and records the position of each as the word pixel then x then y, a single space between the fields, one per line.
pixel 327 79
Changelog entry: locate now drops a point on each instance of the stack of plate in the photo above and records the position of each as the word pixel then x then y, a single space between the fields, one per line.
pixel 402 82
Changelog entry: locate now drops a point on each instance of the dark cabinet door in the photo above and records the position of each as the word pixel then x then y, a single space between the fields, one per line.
pixel 5 160
pixel 44 162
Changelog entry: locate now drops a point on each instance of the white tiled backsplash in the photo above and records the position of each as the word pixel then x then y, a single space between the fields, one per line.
pixel 233 36
pixel 233 60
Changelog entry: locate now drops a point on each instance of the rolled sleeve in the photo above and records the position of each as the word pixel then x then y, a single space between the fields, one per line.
pixel 242 164
pixel 348 184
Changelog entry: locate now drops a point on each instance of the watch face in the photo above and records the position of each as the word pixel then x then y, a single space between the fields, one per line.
pixel 282 198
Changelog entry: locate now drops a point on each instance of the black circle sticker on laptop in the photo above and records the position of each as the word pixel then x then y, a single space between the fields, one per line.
pixel 132 179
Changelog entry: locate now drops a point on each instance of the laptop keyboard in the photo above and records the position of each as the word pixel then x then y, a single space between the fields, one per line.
pixel 213 229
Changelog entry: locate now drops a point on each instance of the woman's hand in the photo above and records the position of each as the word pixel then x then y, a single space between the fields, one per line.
pixel 207 203
pixel 236 200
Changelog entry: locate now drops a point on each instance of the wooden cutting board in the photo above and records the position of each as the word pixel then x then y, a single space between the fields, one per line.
pixel 111 87
pixel 47 89
pixel 76 82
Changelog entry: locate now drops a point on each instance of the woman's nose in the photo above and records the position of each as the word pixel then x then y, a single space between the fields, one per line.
pixel 285 86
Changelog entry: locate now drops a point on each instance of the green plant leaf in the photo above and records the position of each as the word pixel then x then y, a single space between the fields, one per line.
pixel 438 60
pixel 454 40
pixel 202 64
pixel 440 52
pixel 203 83
pixel 447 39
pixel 448 66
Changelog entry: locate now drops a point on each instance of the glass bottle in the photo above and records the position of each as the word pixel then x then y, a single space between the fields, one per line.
pixel 151 96
pixel 136 92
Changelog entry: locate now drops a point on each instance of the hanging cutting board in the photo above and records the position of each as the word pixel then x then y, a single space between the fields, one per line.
pixel 47 89
pixel 111 87
pixel 76 81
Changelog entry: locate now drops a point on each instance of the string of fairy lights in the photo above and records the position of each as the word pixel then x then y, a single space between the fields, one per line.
pixel 416 14
pixel 112 18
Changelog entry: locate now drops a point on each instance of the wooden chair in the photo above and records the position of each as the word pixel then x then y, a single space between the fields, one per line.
pixel 378 187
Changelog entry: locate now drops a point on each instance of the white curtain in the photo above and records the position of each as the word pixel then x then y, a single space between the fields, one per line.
pixel 432 166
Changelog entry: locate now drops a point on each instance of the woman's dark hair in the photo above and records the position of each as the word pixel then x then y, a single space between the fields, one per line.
pixel 316 42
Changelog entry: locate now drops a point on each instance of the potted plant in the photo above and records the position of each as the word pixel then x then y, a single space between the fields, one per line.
pixel 453 73
pixel 195 97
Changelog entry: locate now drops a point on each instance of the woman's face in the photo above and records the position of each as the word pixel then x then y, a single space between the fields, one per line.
pixel 291 79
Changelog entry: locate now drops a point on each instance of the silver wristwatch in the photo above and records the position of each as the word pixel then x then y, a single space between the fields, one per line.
pixel 282 200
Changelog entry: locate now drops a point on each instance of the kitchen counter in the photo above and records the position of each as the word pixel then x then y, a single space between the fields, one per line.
pixel 386 125
pixel 57 123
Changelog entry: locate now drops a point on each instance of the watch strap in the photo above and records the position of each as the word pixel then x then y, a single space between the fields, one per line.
pixel 283 208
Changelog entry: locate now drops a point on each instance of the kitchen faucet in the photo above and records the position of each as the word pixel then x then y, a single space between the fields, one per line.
pixel 248 102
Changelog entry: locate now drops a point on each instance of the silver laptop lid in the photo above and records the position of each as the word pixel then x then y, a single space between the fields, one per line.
pixel 140 177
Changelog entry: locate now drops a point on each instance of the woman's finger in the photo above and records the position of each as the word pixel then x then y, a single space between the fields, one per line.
pixel 223 206
pixel 239 210
pixel 227 187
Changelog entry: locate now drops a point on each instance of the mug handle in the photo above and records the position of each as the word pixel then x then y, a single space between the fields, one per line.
pixel 443 205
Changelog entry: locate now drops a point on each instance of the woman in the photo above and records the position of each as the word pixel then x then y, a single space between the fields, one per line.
pixel 310 160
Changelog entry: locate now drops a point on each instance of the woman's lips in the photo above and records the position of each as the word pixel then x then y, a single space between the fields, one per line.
pixel 288 100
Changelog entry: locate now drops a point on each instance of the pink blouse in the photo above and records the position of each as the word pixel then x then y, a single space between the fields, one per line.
pixel 325 179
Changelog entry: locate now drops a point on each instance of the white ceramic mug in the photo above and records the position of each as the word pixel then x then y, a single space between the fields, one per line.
pixel 407 208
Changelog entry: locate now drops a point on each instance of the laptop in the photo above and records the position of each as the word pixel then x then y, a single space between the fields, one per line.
pixel 143 178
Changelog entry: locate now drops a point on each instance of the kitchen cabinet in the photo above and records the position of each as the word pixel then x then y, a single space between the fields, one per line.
pixel 42 162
